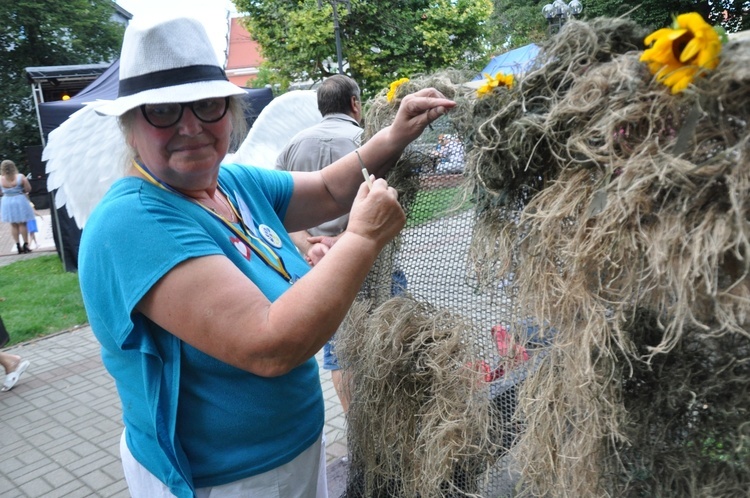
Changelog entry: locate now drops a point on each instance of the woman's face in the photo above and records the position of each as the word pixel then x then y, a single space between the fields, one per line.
pixel 187 154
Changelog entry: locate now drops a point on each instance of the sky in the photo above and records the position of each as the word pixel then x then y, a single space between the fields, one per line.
pixel 212 13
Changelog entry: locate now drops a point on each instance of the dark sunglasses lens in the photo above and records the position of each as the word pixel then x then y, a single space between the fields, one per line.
pixel 166 115
pixel 162 115
pixel 210 110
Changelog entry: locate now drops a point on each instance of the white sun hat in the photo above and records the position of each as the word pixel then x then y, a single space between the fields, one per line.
pixel 168 61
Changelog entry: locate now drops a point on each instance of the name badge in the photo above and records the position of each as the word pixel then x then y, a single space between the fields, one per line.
pixel 245 213
pixel 270 236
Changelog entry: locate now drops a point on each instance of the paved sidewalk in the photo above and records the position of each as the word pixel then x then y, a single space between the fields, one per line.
pixel 45 241
pixel 60 426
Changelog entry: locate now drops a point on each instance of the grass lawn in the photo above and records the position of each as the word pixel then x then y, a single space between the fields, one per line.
pixel 431 204
pixel 38 298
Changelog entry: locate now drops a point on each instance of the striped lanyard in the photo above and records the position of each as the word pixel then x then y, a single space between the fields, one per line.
pixel 255 244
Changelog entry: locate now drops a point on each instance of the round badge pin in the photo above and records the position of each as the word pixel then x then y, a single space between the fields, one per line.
pixel 270 236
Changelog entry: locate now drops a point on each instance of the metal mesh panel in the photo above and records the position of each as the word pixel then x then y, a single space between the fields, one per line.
pixel 431 262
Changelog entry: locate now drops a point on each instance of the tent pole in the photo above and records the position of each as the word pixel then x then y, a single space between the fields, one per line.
pixel 36 92
pixel 56 219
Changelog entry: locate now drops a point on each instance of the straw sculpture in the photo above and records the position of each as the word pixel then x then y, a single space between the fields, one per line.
pixel 631 242
pixel 621 210
pixel 420 408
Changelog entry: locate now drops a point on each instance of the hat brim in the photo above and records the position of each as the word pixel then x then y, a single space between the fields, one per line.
pixel 188 92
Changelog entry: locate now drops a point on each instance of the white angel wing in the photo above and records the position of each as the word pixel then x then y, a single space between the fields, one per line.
pixel 84 157
pixel 277 123
pixel 85 154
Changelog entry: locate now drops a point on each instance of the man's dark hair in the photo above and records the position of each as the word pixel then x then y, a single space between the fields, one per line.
pixel 335 94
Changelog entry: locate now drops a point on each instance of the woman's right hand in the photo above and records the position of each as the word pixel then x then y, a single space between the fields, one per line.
pixel 208 303
pixel 416 111
pixel 376 214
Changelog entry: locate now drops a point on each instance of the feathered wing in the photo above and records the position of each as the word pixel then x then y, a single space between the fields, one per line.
pixel 84 157
pixel 277 123
pixel 85 154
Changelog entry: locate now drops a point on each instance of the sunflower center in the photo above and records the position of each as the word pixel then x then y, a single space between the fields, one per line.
pixel 680 43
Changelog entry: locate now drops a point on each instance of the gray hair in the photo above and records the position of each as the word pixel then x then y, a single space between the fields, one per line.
pixel 335 94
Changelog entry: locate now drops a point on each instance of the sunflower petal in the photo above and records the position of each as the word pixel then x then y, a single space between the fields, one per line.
pixel 700 52
pixel 659 33
pixel 691 50
pixel 692 21
pixel 675 34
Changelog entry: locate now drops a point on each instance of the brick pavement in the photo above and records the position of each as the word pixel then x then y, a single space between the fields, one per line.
pixel 44 237
pixel 61 423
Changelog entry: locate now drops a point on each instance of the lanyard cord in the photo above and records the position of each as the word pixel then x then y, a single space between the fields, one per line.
pixel 255 244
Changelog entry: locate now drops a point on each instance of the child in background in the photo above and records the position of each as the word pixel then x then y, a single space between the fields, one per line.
pixel 32 229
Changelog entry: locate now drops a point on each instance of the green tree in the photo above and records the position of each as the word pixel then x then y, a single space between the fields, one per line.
pixel 380 41
pixel 652 14
pixel 46 33
pixel 515 23
pixel 518 22
pixel 733 15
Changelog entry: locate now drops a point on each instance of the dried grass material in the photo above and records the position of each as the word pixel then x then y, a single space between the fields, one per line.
pixel 522 141
pixel 380 112
pixel 698 437
pixel 417 159
pixel 626 227
pixel 641 214
pixel 420 422
pixel 521 145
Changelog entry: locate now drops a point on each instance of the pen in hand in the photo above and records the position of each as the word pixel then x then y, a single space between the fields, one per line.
pixel 367 178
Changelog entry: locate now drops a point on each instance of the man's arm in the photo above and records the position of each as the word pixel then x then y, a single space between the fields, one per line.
pixel 320 244
pixel 300 240
pixel 313 248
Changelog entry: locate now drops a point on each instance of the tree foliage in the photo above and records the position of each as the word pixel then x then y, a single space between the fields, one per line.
pixel 380 41
pixel 46 33
pixel 518 22
pixel 515 23
pixel 733 15
pixel 652 14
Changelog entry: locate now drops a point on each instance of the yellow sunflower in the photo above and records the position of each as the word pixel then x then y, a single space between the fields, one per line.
pixel 677 54
pixel 499 80
pixel 394 86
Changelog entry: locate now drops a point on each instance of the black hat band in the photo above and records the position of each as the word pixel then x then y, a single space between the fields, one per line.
pixel 170 77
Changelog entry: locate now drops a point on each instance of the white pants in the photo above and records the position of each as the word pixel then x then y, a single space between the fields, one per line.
pixel 303 477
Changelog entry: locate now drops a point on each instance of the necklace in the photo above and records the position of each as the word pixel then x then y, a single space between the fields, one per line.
pixel 220 195
pixel 252 241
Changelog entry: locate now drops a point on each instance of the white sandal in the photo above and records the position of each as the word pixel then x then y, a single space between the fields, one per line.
pixel 12 378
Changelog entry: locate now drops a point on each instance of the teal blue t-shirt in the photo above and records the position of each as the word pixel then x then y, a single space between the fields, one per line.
pixel 192 420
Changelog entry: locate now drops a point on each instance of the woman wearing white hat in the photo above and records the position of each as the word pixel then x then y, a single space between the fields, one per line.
pixel 208 317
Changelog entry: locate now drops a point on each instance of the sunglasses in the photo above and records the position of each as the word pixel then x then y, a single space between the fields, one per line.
pixel 166 115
